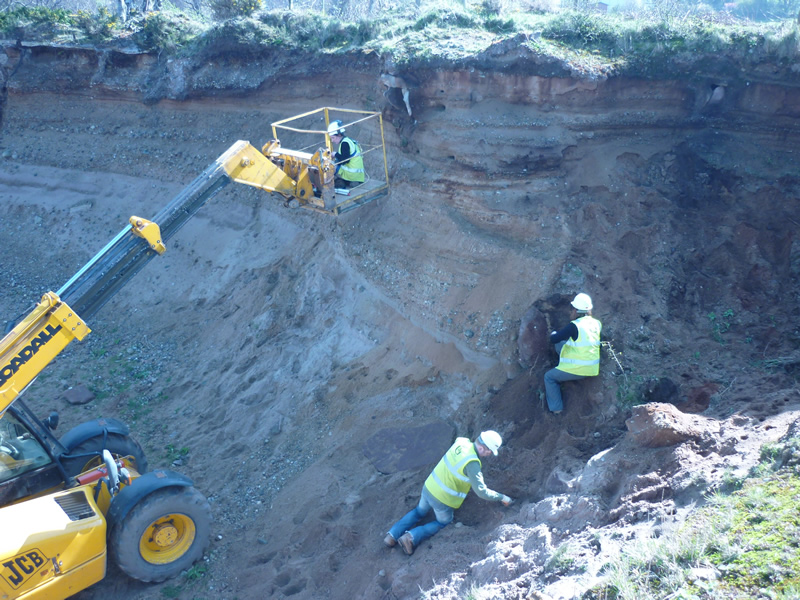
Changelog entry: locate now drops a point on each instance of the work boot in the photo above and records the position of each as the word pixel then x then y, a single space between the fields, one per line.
pixel 406 543
pixel 389 540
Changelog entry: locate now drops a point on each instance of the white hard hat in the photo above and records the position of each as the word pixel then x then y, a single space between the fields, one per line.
pixel 582 302
pixel 492 440
pixel 335 128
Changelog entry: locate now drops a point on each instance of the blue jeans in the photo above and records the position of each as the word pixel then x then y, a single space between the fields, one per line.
pixel 552 386
pixel 444 517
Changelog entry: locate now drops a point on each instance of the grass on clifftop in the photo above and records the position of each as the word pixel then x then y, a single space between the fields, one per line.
pixel 447 31
pixel 741 545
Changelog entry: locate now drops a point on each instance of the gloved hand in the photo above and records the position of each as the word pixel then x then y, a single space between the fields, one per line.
pixel 506 501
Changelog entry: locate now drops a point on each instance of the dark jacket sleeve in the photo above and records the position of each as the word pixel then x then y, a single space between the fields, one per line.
pixel 343 155
pixel 570 331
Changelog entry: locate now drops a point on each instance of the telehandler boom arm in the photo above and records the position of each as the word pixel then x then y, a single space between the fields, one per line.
pixel 61 317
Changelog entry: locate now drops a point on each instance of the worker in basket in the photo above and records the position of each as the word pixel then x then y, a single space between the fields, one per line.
pixel 347 156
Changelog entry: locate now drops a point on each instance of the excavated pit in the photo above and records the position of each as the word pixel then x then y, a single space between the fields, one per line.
pixel 270 344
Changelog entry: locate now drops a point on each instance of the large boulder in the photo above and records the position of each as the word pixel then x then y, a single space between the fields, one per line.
pixel 657 425
pixel 533 342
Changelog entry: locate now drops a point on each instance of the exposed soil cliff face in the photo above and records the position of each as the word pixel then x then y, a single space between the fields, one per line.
pixel 273 344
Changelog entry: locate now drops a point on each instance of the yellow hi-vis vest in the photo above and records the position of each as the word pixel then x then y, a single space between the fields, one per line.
pixel 353 169
pixel 448 483
pixel 582 356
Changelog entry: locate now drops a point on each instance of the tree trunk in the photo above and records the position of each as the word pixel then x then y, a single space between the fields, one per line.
pixel 122 10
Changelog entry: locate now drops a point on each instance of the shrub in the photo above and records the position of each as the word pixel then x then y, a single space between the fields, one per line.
pixel 314 31
pixel 497 25
pixel 99 26
pixel 165 31
pixel 24 21
pixel 238 38
pixel 224 10
pixel 491 8
pixel 35 15
pixel 784 44
pixel 580 30
pixel 445 17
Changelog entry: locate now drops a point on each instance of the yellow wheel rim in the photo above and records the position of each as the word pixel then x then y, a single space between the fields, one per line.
pixel 167 539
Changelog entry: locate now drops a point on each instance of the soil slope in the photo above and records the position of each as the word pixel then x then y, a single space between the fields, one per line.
pixel 269 350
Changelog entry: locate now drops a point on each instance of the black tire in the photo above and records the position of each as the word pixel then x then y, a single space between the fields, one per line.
pixel 180 516
pixel 119 445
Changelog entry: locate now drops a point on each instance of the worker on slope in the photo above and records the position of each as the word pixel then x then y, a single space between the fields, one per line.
pixel 347 157
pixel 578 347
pixel 457 472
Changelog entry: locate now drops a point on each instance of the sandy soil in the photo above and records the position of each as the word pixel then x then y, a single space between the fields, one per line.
pixel 267 353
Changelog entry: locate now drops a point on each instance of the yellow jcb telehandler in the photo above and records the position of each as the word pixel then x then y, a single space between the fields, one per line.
pixel 67 503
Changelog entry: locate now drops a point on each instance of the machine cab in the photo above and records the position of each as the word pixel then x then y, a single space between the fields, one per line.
pixel 26 467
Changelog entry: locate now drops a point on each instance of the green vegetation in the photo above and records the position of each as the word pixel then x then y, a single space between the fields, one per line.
pixel 137 407
pixel 174 453
pixel 564 560
pixel 32 16
pixel 97 27
pixel 629 393
pixel 742 544
pixel 98 352
pixel 309 32
pixel 659 40
pixel 190 580
pixel 196 572
pixel 720 324
pixel 166 31
pixel 315 32
pixel 234 9
pixel 171 591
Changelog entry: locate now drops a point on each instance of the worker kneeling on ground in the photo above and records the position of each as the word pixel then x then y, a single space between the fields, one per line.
pixel 347 157
pixel 578 347
pixel 457 472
